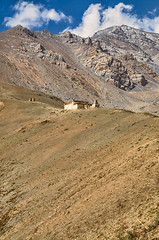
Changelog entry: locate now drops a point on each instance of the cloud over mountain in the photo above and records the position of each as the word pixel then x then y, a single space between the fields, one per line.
pixel 97 18
pixel 33 15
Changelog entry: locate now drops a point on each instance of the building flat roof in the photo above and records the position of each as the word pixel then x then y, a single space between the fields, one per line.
pixel 78 102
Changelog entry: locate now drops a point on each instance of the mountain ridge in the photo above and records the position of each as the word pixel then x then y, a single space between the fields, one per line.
pixel 67 66
pixel 85 174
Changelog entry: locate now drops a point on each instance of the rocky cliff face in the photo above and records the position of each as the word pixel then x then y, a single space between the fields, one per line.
pixel 123 56
pixel 118 66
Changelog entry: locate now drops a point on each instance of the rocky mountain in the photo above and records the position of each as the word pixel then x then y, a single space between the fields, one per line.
pixel 118 66
pixel 89 174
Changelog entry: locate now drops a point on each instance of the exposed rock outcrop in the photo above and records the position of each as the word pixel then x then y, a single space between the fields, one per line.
pixel 139 79
pixel 89 41
pixel 112 66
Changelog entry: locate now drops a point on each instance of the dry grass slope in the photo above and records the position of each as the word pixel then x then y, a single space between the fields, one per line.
pixel 89 174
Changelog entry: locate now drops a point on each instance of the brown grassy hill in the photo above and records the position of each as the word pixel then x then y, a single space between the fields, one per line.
pixel 90 174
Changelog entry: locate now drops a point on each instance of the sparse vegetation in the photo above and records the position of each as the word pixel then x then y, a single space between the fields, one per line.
pixel 75 176
pixel 4 219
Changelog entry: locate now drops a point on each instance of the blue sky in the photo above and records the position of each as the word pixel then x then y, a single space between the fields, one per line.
pixel 81 17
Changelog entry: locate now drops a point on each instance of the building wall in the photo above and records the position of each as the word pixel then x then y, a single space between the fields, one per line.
pixel 71 106
pixel 95 105
pixel 80 106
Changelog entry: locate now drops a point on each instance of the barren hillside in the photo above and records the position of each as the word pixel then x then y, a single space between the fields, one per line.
pixel 118 66
pixel 90 174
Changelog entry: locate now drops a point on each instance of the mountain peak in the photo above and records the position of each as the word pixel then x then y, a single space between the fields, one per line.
pixel 21 29
pixel 115 61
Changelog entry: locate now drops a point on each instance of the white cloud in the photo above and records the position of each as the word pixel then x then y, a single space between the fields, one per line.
pixel 120 14
pixel 153 12
pixel 48 15
pixel 31 15
pixel 90 21
pixel 97 18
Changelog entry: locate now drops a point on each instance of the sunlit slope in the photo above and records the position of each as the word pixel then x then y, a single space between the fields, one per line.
pixel 90 174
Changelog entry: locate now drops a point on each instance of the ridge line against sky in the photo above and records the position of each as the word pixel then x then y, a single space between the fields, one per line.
pixel 96 16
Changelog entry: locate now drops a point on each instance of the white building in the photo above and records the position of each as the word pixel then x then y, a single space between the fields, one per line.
pixel 95 104
pixel 73 105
